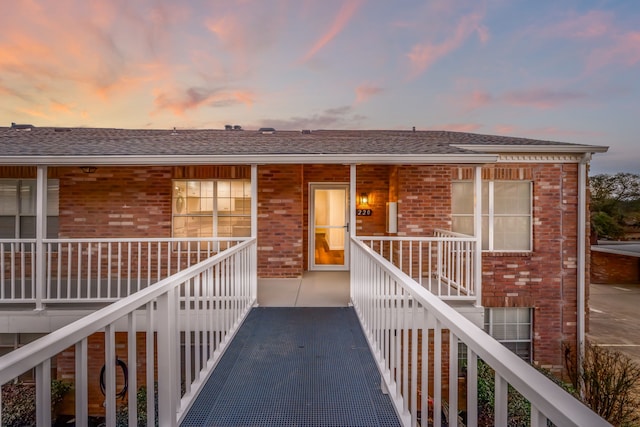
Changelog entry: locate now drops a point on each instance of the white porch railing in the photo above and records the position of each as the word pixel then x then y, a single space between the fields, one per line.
pixel 443 264
pixel 96 270
pixel 396 313
pixel 200 308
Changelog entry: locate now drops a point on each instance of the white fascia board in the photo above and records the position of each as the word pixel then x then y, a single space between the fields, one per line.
pixel 390 159
pixel 496 148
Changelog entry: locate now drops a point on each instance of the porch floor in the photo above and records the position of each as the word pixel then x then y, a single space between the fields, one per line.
pixel 313 289
pixel 295 366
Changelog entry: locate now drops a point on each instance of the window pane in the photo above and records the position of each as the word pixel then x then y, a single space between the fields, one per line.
pixel 512 197
pixel 485 198
pixel 27 227
pixel 524 332
pixel 224 197
pixel 485 233
pixel 28 197
pixel 52 227
pixel 179 194
pixel 8 227
pixel 462 224
pixel 511 233
pixel 510 315
pixel 499 332
pixel 193 197
pixel 462 198
pixel 53 197
pixel 8 197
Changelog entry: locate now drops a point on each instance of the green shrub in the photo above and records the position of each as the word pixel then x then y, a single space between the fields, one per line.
pixel 19 402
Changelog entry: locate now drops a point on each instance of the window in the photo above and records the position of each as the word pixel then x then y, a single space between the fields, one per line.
pixel 18 208
pixel 10 342
pixel 211 208
pixel 506 213
pixel 512 327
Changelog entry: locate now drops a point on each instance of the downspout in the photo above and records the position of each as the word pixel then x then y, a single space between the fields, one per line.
pixel 477 229
pixel 582 252
pixel 41 234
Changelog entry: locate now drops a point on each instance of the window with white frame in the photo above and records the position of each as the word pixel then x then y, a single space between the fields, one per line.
pixel 18 208
pixel 211 208
pixel 512 327
pixel 506 213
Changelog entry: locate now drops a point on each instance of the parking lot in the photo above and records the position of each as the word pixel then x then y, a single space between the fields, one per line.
pixel 614 318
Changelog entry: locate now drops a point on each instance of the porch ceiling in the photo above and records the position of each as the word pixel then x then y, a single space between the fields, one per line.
pixel 56 146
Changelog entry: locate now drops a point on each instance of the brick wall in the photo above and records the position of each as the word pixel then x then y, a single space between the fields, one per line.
pixel 546 278
pixel 424 199
pixel 280 221
pixel 375 181
pixel 115 202
pixel 612 269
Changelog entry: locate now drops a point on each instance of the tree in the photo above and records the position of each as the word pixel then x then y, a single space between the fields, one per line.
pixel 614 203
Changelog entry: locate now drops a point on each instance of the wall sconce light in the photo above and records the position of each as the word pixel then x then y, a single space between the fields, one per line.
pixel 88 169
pixel 363 199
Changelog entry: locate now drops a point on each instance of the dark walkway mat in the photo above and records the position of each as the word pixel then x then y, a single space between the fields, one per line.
pixel 295 367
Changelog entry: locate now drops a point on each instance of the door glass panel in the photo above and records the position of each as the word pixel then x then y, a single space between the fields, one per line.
pixel 330 216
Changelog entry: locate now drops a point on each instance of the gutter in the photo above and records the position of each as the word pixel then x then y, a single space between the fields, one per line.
pixel 551 148
pixel 581 262
pixel 316 158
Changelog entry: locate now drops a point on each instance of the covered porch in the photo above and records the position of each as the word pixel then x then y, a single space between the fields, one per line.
pixel 193 317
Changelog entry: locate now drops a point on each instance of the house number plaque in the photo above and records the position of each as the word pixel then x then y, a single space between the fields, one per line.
pixel 364 212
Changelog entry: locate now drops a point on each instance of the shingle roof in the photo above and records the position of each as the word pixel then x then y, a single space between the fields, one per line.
pixel 122 143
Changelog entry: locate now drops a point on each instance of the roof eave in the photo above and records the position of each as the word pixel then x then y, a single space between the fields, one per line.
pixel 569 148
pixel 389 159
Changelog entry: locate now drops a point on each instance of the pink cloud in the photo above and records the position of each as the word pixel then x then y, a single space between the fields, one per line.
pixel 504 129
pixel 541 98
pixel 345 14
pixel 478 99
pixel 458 127
pixel 424 55
pixel 623 49
pixel 366 91
pixel 180 102
pixel 593 24
pixel 552 132
pixel 608 43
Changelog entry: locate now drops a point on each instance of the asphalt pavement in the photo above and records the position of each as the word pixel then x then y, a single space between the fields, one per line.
pixel 614 318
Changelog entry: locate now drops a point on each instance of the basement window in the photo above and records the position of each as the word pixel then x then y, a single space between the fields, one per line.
pixel 511 326
pixel 211 208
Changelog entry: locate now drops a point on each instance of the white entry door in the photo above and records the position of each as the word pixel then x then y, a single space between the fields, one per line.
pixel 328 226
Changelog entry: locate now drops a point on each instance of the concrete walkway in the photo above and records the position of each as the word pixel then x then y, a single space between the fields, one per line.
pixel 313 289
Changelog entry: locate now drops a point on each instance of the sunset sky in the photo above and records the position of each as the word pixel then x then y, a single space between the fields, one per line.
pixel 561 70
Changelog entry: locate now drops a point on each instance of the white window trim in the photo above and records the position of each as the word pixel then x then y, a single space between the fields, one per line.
pixel 491 216
pixel 215 215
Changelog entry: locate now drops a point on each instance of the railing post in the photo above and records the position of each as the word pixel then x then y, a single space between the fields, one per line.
pixel 41 234
pixel 166 367
pixel 43 393
pixel 81 383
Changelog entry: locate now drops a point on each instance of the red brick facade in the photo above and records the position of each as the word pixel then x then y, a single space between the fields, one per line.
pixel 610 269
pixel 136 202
